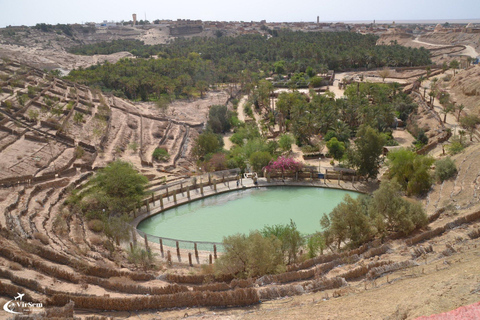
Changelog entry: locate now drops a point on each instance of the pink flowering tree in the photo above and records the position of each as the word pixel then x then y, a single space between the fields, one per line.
pixel 283 164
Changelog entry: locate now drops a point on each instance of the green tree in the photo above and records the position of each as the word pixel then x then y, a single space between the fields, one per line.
pixel 469 123
pixel 454 64
pixel 290 238
pixel 118 187
pixel 315 244
pixel 219 119
pixel 411 171
pixel 392 213
pixel 368 148
pixel 285 142
pixel 445 169
pixel 259 159
pixel 207 142
pixel 250 256
pixel 348 223
pixel 336 148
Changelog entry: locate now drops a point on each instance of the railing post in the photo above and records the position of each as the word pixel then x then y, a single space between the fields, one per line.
pixel 168 198
pixel 161 246
pixel 190 259
pixel 196 250
pixel 215 251
pixel 201 188
pixel 210 261
pixel 169 257
pixel 181 188
pixel 175 196
pixel 188 192
pixel 178 248
pixel 215 185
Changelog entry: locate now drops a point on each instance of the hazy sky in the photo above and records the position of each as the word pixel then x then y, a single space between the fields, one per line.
pixel 30 12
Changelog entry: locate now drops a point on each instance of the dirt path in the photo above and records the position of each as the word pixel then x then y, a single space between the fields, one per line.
pixel 427 43
pixel 469 51
pixel 241 105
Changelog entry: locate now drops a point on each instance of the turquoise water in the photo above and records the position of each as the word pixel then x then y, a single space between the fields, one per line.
pixel 213 218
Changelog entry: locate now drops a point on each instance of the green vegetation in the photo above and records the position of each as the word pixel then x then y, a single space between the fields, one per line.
pixel 160 154
pixel 357 221
pixel 336 148
pixel 181 71
pixel 290 238
pixel 250 256
pixel 445 169
pixel 219 119
pixel 469 123
pixel 365 156
pixel 109 197
pixel 411 171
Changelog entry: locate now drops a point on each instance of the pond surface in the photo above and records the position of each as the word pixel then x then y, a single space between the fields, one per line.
pixel 213 218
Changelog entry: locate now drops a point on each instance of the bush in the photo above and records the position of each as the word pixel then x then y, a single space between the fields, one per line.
pixel 445 169
pixel 42 237
pixel 161 154
pixel 96 225
pixel 250 256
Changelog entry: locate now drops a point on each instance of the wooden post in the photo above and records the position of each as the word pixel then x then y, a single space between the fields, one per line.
pixel 201 188
pixel 134 237
pixel 169 257
pixel 167 194
pixel 209 179
pixel 146 241
pixel 215 251
pixel 161 201
pixel 190 259
pixel 188 192
pixel 210 261
pixel 181 188
pixel 175 196
pixel 153 199
pixel 215 185
pixel 161 247
pixel 178 248
pixel 196 250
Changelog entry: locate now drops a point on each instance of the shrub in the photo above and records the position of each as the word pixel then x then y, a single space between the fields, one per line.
pixel 161 154
pixel 15 266
pixel 250 256
pixel 42 237
pixel 445 169
pixel 96 225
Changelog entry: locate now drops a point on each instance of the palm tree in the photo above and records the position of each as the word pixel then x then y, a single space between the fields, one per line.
pixel 460 109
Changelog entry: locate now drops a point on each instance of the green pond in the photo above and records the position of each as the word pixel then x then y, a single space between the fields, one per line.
pixel 211 219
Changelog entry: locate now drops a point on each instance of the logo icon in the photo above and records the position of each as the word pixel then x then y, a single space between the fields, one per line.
pixel 18 306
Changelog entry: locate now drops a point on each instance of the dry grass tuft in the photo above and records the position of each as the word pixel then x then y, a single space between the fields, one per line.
pixel 14 266
pixel 95 225
pixel 42 237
